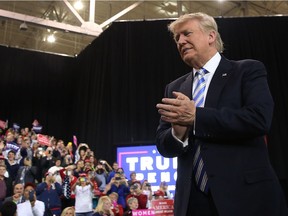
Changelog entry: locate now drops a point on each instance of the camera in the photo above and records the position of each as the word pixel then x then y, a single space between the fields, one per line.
pixel 82 179
pixel 134 186
pixel 117 178
pixel 148 184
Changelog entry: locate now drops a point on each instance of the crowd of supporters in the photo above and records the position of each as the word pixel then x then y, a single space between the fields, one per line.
pixel 56 178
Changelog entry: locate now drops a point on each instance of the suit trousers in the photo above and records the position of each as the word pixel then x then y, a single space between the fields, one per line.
pixel 200 204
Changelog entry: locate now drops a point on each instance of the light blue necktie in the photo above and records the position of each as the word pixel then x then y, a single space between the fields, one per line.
pixel 198 165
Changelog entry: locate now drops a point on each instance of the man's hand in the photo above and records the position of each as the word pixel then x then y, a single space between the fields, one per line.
pixel 179 111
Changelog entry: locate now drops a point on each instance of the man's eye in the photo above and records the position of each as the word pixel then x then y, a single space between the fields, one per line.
pixel 187 33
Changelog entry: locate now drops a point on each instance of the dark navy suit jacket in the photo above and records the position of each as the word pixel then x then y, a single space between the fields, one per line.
pixel 230 130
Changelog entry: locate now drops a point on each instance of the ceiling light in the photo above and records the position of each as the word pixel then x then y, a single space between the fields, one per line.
pixel 78 5
pixel 51 38
pixel 23 26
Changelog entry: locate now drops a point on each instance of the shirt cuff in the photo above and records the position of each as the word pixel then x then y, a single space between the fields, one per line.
pixel 185 143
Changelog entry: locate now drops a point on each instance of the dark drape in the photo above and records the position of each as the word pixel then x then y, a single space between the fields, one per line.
pixel 36 86
pixel 107 95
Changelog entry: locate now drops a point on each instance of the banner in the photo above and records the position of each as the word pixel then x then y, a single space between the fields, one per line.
pixel 43 139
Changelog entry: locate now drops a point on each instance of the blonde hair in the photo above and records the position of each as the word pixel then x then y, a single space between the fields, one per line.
pixel 67 209
pixel 99 207
pixel 130 200
pixel 207 23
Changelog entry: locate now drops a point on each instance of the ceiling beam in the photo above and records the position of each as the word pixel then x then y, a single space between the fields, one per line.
pixel 72 9
pixel 126 10
pixel 52 24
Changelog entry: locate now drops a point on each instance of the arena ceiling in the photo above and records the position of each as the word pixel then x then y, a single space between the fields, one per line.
pixel 28 24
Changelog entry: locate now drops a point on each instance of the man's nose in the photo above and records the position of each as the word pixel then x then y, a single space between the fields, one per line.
pixel 181 39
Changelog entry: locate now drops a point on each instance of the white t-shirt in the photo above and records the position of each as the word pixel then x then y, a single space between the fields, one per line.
pixel 27 210
pixel 83 199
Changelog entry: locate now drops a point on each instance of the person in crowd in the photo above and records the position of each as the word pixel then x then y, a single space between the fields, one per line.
pixel 106 165
pixel 32 206
pixel 101 174
pixel 159 194
pixel 5 184
pixel 115 166
pixel 54 170
pixel 50 192
pixel 164 187
pixel 116 208
pixel 96 183
pixel 67 160
pixel 2 162
pixel 9 208
pixel 83 196
pixel 79 168
pixel 26 151
pixel 214 120
pixel 119 185
pixel 104 207
pixel 37 161
pixel 68 180
pixel 132 203
pixel 135 191
pixel 60 149
pixel 11 145
pixel 12 165
pixel 87 165
pixel 93 162
pixel 71 150
pixel 17 196
pixel 147 190
pixel 132 179
pixel 81 152
pixel 27 172
pixel 46 160
pixel 68 211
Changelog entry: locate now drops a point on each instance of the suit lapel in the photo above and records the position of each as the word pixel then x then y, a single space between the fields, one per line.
pixel 218 82
pixel 186 86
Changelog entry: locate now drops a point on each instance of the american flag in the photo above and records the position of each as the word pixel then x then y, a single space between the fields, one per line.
pixel 3 124
pixel 43 139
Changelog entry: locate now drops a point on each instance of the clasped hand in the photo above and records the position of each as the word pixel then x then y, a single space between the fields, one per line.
pixel 179 111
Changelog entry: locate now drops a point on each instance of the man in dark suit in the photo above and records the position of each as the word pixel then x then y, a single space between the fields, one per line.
pixel 218 136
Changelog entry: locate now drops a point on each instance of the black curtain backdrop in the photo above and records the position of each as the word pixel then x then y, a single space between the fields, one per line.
pixel 38 86
pixel 107 95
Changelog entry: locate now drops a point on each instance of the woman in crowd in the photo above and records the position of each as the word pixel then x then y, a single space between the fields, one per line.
pixel 104 207
pixel 132 205
pixel 83 196
pixel 68 211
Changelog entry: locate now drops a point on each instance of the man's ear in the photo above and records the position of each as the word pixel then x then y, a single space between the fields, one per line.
pixel 212 36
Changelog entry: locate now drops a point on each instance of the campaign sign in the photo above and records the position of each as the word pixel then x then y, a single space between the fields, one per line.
pixel 142 212
pixel 148 164
pixel 163 207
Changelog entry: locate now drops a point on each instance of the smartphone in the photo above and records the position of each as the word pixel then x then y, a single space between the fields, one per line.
pixel 117 178
pixel 31 195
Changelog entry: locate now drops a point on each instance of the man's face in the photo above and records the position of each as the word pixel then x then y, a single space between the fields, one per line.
pixel 193 44
pixel 115 166
pixel 11 156
pixel 2 171
pixel 18 189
